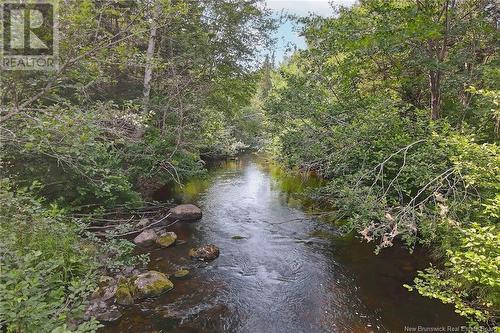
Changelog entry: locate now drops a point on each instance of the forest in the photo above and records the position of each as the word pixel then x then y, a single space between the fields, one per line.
pixel 393 104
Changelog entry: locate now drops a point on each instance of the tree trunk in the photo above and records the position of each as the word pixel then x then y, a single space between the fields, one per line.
pixel 434 83
pixel 148 73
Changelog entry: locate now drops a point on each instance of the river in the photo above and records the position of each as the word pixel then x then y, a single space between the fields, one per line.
pixel 279 270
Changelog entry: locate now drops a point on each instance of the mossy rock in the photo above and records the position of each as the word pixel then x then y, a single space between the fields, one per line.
pixel 124 294
pixel 181 273
pixel 205 252
pixel 151 284
pixel 97 293
pixel 167 239
pixel 105 281
pixel 105 287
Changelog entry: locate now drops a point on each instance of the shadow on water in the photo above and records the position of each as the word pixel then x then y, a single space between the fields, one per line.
pixel 280 270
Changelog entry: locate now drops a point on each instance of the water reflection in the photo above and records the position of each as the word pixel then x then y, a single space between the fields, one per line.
pixel 279 270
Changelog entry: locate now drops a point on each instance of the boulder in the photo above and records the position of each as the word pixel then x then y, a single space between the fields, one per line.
pixel 129 271
pixel 167 239
pixel 186 212
pixel 151 284
pixel 146 238
pixel 106 288
pixel 205 252
pixel 124 297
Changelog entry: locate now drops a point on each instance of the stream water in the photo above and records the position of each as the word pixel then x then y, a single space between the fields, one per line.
pixel 281 273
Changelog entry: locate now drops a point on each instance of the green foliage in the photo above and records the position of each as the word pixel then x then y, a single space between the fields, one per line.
pixel 48 264
pixel 158 157
pixel 471 278
pixel 488 110
pixel 46 269
pixel 395 104
pixel 71 152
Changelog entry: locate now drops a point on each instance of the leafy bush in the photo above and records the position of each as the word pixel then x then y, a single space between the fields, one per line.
pixel 76 156
pixel 471 277
pixel 47 269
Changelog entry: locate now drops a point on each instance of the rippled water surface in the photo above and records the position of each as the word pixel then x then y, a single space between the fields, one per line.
pixel 277 274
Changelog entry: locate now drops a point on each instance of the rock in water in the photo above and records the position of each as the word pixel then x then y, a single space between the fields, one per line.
pixel 187 212
pixel 238 237
pixel 181 273
pixel 205 253
pixel 151 284
pixel 146 238
pixel 166 239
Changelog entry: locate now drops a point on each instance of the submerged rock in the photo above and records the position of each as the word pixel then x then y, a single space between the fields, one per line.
pixel 206 252
pixel 238 237
pixel 146 238
pixel 186 212
pixel 151 284
pixel 181 273
pixel 166 239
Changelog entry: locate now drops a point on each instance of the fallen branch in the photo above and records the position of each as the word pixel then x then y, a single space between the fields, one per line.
pixel 142 229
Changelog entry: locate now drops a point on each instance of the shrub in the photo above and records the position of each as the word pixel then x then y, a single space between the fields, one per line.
pixel 47 268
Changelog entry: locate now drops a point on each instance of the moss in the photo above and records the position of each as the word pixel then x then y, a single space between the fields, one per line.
pixel 105 281
pixel 152 284
pixel 157 287
pixel 166 240
pixel 124 294
pixel 181 273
